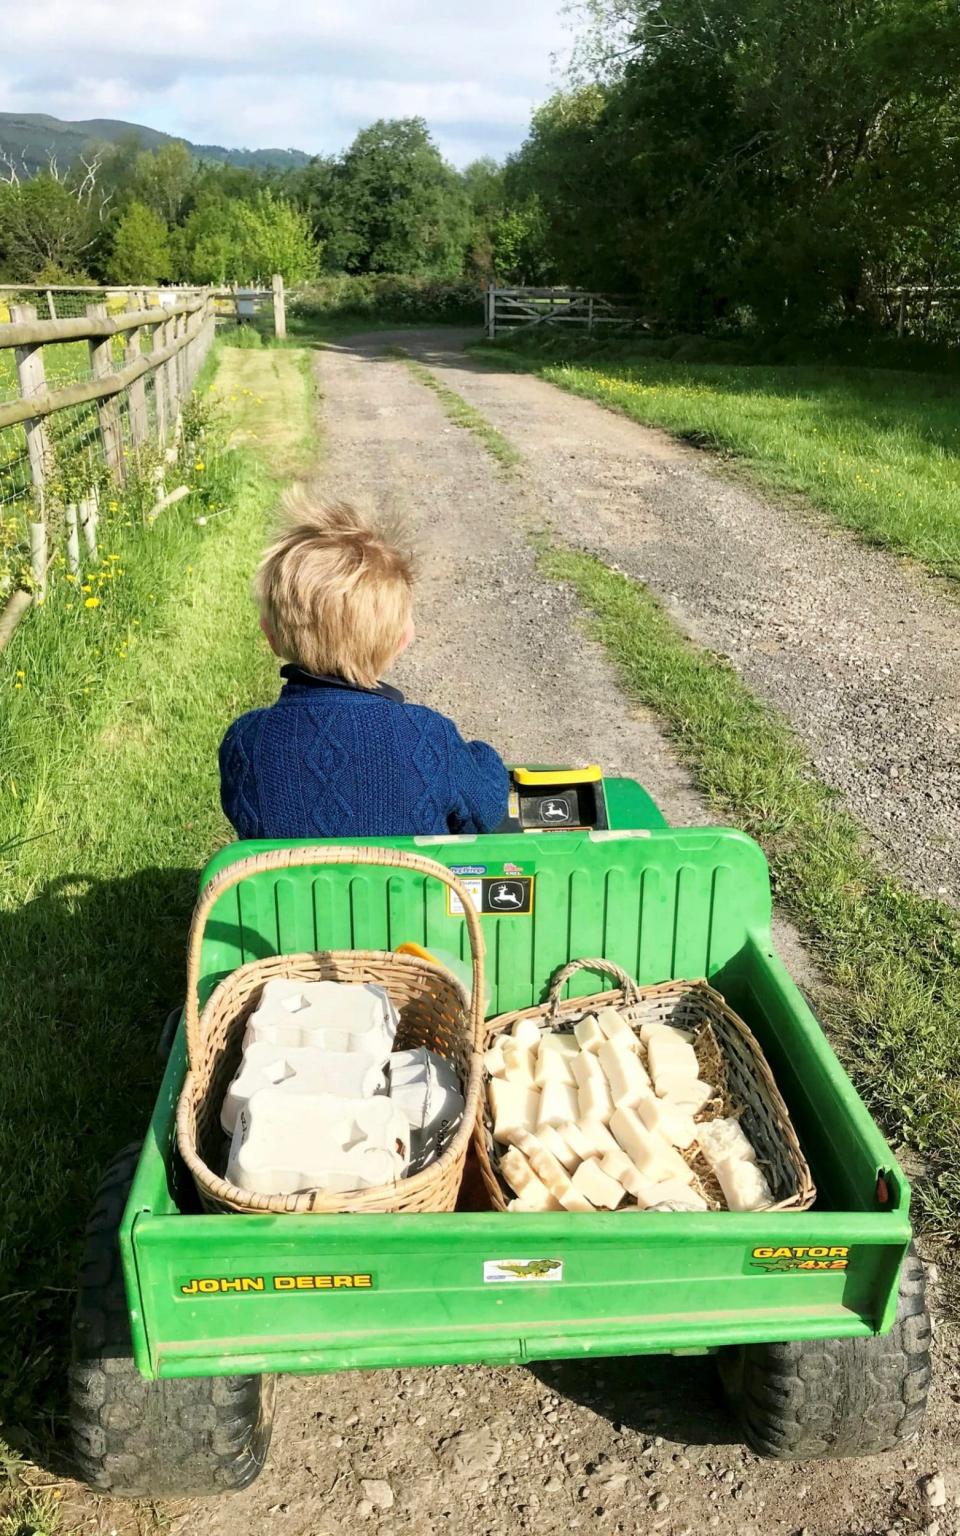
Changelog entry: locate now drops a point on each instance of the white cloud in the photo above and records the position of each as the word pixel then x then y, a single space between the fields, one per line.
pixel 308 75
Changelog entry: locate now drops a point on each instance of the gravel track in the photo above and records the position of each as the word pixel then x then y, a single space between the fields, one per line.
pixel 859 650
pixel 624 1447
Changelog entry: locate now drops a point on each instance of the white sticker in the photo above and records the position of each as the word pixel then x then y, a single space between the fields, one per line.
pixel 501 1271
pixel 474 890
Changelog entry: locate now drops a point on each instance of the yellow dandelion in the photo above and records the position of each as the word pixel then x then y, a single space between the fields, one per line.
pixel 113 557
pixel 92 602
pixel 200 466
pixel 17 687
pixel 86 587
pixel 21 673
pixel 114 505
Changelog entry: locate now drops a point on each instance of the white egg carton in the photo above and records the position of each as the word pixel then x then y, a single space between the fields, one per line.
pixel 286 1141
pixel 428 1091
pixel 331 1015
pixel 300 1069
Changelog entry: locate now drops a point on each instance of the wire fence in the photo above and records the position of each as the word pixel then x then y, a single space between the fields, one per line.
pixel 93 382
pixel 90 400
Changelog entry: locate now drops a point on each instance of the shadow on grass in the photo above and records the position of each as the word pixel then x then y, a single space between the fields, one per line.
pixel 91 968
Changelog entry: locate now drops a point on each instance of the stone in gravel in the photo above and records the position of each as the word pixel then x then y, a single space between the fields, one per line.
pixel 471 1452
pixel 552 1485
pixel 659 1502
pixel 933 1490
pixel 364 1509
pixel 377 1492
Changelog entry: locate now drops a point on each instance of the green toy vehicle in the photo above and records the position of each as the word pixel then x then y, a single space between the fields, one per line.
pixel 818 1319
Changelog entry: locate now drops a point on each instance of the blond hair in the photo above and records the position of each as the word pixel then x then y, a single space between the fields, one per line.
pixel 334 592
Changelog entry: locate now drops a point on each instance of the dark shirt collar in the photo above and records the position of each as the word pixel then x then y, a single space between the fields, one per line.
pixel 299 677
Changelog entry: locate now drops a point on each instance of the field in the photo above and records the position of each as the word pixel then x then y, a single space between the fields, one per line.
pixel 877 450
pixel 112 706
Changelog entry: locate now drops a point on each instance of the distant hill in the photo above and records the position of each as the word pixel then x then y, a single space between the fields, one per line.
pixel 29 138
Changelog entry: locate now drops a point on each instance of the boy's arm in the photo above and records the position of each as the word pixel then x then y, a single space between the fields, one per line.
pixel 235 784
pixel 481 785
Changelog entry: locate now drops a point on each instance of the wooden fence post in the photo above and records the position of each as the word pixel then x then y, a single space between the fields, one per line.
pixel 32 381
pixel 50 304
pixel 38 559
pixel 108 410
pixel 73 538
pixel 159 377
pixel 139 419
pixel 183 356
pixel 491 312
pixel 279 308
pixel 168 333
pixel 88 522
pixel 901 314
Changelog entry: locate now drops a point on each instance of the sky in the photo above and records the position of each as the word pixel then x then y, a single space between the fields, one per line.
pixel 306 74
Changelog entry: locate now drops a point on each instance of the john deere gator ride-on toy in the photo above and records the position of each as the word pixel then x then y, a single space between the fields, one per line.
pixel 817 1318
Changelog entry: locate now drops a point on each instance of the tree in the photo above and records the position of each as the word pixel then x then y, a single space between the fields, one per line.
pixel 227 241
pixel 140 251
pixel 162 179
pixel 392 204
pixel 773 158
pixel 43 223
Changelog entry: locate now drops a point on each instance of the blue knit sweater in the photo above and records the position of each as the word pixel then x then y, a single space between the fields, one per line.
pixel 331 760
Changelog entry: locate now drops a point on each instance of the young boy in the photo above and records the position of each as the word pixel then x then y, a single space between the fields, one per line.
pixel 341 754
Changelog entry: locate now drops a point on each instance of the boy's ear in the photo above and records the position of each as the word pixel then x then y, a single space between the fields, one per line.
pixel 407 638
pixel 268 632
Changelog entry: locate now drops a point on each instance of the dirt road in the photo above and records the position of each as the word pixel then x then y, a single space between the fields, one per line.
pixel 628 1447
pixel 859 650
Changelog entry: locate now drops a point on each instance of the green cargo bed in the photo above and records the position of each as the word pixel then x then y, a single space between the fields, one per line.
pixel 211 1295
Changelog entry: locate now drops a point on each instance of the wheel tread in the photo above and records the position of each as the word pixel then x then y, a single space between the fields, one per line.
pixel 150 1439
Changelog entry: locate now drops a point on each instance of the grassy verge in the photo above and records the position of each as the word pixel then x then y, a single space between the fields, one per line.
pixel 456 409
pixel 877 450
pixel 894 956
pixel 110 719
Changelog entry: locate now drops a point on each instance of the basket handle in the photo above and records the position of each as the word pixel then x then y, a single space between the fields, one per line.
pixel 565 972
pixel 297 858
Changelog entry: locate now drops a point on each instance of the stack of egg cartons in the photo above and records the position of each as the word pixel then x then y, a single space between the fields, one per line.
pixel 599 1119
pixel 322 1101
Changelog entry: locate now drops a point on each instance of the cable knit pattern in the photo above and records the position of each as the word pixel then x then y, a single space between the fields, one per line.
pixel 334 761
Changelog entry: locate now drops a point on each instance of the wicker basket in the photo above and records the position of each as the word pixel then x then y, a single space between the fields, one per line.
pixel 434 1008
pixel 725 1047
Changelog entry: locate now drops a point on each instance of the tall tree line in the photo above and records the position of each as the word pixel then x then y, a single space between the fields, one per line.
pixel 780 163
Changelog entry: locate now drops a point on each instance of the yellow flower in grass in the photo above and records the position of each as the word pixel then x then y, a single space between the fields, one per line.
pixel 200 466
pixel 114 505
pixel 92 602
pixel 21 674
pixel 86 587
pixel 113 557
pixel 17 687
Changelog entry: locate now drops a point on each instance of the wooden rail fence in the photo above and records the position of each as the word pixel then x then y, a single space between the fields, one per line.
pixel 136 392
pixel 511 310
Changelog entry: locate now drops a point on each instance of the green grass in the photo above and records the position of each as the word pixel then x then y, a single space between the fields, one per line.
pixel 110 719
pixel 893 957
pixel 877 450
pixel 456 409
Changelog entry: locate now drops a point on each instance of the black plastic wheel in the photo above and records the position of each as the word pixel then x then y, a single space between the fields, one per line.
pixel 836 1397
pixel 151 1439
